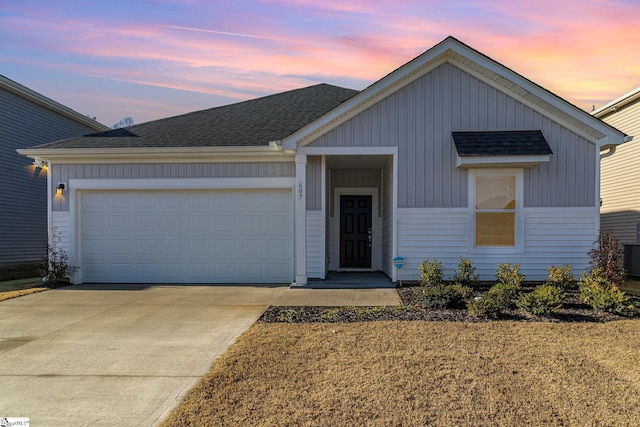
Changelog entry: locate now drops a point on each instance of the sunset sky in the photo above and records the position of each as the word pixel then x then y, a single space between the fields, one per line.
pixel 150 59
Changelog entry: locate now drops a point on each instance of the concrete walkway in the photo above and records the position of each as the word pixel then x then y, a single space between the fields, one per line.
pixel 127 354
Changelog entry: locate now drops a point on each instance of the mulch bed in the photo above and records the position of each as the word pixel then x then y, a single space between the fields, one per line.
pixel 572 311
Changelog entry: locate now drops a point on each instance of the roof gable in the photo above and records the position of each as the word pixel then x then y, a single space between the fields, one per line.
pixel 478 65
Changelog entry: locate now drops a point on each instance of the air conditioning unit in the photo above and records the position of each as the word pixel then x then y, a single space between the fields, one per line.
pixel 632 259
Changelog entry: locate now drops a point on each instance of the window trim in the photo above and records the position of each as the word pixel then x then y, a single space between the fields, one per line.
pixel 519 212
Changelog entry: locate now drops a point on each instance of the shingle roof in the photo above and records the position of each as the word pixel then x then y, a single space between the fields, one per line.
pixel 501 143
pixel 249 123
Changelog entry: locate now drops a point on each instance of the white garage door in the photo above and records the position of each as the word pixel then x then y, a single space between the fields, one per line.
pixel 220 236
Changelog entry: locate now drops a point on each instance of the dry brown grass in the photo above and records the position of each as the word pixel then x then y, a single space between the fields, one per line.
pixel 423 373
pixel 15 294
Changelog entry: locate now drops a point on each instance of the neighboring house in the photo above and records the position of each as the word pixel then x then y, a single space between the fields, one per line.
pixel 28 118
pixel 450 155
pixel 620 178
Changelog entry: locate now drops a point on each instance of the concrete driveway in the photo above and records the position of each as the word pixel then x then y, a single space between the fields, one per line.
pixel 127 354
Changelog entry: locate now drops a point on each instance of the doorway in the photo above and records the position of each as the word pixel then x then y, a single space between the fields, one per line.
pixel 355 231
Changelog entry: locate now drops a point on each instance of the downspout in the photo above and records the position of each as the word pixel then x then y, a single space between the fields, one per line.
pixel 612 149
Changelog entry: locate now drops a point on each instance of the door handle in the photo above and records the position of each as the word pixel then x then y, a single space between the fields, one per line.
pixel 370 233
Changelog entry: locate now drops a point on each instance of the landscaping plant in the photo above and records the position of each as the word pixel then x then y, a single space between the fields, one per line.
pixel 543 300
pixel 445 296
pixel 501 296
pixel 561 277
pixel 54 267
pixel 509 274
pixel 597 291
pixel 608 256
pixel 465 274
pixel 431 273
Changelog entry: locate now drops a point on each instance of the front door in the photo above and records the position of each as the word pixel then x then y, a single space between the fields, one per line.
pixel 355 231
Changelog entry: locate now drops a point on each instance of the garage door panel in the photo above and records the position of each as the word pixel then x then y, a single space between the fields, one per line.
pixel 215 236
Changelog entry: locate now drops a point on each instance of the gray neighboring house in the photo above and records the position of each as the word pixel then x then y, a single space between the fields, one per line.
pixel 26 119
pixel 450 155
pixel 620 180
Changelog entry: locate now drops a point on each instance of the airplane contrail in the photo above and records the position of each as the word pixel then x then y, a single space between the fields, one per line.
pixel 246 35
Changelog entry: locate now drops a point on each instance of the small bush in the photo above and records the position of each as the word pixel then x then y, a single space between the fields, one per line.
pixel 444 296
pixel 607 256
pixel 465 274
pixel 431 273
pixel 544 300
pixel 499 298
pixel 560 277
pixel 509 274
pixel 288 315
pixel 489 305
pixel 54 267
pixel 597 291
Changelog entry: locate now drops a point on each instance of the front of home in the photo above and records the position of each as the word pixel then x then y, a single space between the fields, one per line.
pixel 450 155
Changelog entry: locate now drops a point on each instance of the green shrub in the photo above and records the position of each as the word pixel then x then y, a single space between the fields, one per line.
pixel 465 274
pixel 542 301
pixel 431 273
pixel 54 267
pixel 509 274
pixel 560 277
pixel 496 300
pixel 597 291
pixel 288 315
pixel 444 296
pixel 607 256
pixel 489 305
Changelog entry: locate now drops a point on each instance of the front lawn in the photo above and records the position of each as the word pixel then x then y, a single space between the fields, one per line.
pixel 16 288
pixel 398 373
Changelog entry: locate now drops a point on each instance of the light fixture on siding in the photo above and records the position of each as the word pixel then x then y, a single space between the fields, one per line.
pixel 60 189
pixel 39 163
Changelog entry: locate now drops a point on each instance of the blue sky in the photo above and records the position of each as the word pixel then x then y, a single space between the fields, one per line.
pixel 157 58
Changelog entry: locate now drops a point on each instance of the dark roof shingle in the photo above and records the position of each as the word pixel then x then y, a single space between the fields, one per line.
pixel 245 124
pixel 501 143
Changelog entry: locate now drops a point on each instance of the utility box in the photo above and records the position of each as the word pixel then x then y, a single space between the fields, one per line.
pixel 632 259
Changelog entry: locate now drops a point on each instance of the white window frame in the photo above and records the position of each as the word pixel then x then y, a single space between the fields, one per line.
pixel 519 218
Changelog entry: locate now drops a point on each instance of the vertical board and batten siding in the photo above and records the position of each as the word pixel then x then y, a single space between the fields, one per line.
pixel 64 172
pixel 314 183
pixel 419 119
pixel 620 179
pixel 442 235
pixel 23 210
pixel 354 178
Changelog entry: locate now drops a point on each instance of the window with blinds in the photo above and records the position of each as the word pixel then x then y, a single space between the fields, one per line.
pixel 495 210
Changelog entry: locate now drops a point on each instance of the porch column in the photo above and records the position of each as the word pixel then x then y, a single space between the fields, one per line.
pixel 301 219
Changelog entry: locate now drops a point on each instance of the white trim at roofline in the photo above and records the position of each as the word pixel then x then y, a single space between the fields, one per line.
pixel 452 50
pixel 617 103
pixel 466 162
pixel 347 151
pixel 158 155
pixel 179 184
pixel 50 104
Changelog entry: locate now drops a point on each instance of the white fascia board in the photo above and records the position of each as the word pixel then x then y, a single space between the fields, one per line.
pixel 468 162
pixel 157 155
pixel 617 103
pixel 50 104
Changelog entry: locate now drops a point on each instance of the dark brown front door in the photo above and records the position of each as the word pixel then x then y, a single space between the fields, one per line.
pixel 355 231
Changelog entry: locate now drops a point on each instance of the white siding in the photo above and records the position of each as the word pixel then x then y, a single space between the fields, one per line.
pixel 315 245
pixel 551 237
pixel 61 227
pixel 387 219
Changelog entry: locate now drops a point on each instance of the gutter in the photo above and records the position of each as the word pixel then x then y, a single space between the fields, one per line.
pixel 612 148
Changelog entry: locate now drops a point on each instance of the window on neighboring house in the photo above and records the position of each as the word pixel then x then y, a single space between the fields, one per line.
pixel 495 210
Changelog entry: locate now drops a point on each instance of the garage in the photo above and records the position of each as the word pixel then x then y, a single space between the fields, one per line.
pixel 186 236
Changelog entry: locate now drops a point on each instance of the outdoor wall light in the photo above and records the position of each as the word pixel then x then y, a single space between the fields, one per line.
pixel 39 163
pixel 60 189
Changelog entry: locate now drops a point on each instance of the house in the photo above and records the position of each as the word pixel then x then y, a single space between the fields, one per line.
pixel 620 179
pixel 28 118
pixel 450 155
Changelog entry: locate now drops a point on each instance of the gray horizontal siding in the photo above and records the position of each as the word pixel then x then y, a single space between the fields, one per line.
pixel 23 210
pixel 65 172
pixel 419 119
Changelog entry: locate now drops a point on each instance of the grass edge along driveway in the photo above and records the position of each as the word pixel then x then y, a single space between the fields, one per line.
pixel 500 373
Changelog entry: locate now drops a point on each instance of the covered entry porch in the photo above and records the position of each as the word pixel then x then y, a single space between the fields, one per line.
pixel 349 214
